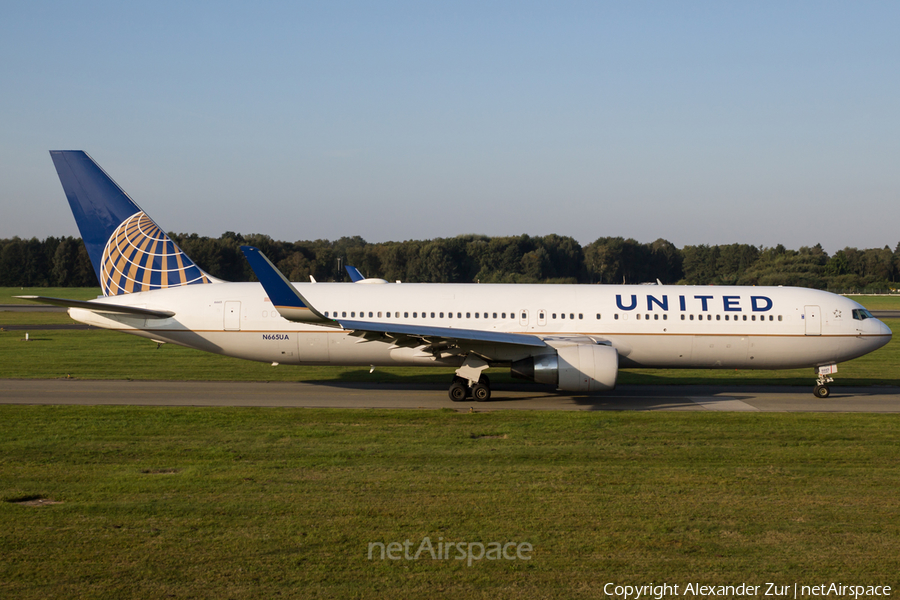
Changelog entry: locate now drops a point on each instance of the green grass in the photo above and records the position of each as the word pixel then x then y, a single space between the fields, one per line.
pixel 878 302
pixel 35 318
pixel 259 503
pixel 8 294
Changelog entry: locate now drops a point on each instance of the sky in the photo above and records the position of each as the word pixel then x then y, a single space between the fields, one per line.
pixel 698 122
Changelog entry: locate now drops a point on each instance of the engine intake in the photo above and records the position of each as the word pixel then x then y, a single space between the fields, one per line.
pixel 576 368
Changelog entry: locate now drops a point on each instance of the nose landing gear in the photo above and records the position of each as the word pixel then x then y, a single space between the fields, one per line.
pixel 822 390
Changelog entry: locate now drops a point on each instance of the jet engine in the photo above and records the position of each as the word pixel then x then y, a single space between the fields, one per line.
pixel 575 368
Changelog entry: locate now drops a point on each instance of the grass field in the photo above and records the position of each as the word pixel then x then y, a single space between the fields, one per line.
pixel 263 503
pixel 878 302
pixel 8 294
pixel 135 502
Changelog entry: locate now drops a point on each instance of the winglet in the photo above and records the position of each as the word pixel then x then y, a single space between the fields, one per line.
pixel 289 303
pixel 354 274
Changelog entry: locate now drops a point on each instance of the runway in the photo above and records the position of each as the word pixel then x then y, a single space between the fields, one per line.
pixel 433 396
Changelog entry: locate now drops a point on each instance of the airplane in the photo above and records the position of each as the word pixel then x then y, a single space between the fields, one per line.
pixel 575 337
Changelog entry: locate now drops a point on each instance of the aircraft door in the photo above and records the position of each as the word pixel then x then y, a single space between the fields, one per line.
pixel 232 320
pixel 813 318
pixel 542 317
pixel 523 317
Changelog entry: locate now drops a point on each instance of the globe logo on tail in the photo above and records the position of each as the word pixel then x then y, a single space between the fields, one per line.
pixel 139 257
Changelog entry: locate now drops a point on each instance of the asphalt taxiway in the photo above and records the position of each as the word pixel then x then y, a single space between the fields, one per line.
pixel 433 396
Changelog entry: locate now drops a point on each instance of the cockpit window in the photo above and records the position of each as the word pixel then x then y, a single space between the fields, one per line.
pixel 861 314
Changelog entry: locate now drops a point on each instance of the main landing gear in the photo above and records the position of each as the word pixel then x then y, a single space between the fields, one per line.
pixel 480 391
pixel 470 381
pixel 822 390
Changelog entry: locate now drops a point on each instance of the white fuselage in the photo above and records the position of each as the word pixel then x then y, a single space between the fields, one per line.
pixel 649 325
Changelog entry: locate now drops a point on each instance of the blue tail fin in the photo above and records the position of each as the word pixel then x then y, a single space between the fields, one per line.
pixel 130 252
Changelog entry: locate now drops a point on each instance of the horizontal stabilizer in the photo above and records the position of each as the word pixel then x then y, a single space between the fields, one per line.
pixel 102 307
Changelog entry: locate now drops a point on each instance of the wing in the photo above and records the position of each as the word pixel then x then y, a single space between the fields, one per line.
pixel 294 307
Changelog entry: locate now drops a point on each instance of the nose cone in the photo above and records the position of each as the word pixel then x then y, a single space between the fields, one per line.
pixel 880 332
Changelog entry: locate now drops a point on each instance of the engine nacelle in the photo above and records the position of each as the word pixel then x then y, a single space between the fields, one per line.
pixel 576 368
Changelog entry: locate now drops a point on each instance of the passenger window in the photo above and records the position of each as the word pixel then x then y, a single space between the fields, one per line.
pixel 718 317
pixel 476 315
pixel 379 314
pixel 459 315
pixel 779 317
pixel 502 315
pixel 495 315
pixel 468 315
pixel 415 315
pixel 745 317
pixel 682 317
pixel 344 313
pixel 616 317
pixel 580 316
pixel 656 317
pixel 562 315
pixel 665 317
pixel 553 315
pixel 571 315
pixel 405 315
pixel 638 316
pixel 432 315
pixel 598 316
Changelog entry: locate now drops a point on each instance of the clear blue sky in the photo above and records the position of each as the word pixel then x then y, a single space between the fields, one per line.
pixel 760 122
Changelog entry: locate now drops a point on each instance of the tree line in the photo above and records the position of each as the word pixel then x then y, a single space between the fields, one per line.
pixel 63 262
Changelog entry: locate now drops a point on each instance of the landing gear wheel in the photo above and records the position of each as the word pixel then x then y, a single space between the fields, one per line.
pixel 481 392
pixel 458 392
pixel 821 391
